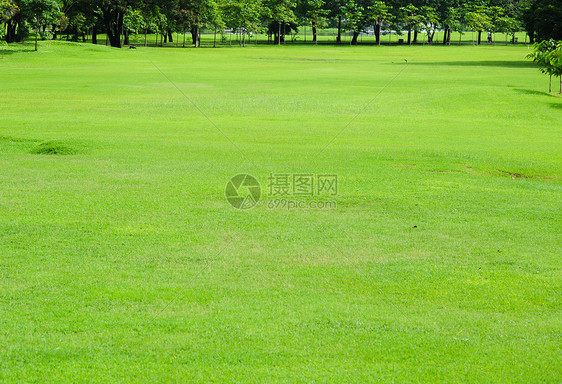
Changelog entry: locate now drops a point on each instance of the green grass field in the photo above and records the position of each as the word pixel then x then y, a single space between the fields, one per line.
pixel 122 261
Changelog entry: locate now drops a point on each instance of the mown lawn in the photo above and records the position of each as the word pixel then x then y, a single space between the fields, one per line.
pixel 122 261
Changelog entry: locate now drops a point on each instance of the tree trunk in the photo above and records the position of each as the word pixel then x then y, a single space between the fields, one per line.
pixel 215 38
pixel 170 36
pixel 95 34
pixel 338 39
pixel 479 37
pixel 165 37
pixel 279 31
pixel 20 28
pixel 10 29
pixel 36 33
pixel 377 29
pixel 119 29
pixel 415 37
pixel 126 37
pixel 195 36
pixel 549 82
pixel 314 33
pixel 10 32
pixel 409 36
pixel 114 25
pixel 354 38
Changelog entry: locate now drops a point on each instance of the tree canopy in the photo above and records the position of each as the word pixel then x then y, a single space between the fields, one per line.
pixel 118 18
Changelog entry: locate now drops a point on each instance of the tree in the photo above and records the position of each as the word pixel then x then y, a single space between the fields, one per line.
pixel 411 18
pixel 447 14
pixel 335 9
pixel 543 20
pixel 78 26
pixel 150 14
pixel 497 19
pixel 517 10
pixel 380 14
pixel 312 12
pixel 133 22
pixel 159 26
pixel 243 15
pixel 7 11
pixel 282 18
pixel 478 20
pixel 509 26
pixel 39 13
pixel 217 21
pixel 429 21
pixel 355 18
pixel 113 14
pixel 548 55
pixel 555 59
pixel 197 14
pixel 453 21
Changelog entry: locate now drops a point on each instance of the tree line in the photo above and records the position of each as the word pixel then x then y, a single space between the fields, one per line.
pixel 118 19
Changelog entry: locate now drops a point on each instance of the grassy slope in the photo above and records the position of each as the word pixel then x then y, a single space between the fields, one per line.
pixel 122 261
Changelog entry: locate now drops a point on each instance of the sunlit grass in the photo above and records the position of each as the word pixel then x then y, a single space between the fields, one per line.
pixel 122 261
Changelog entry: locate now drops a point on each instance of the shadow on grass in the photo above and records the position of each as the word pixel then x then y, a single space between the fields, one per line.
pixel 531 92
pixel 483 63
pixel 556 105
pixel 9 49
pixel 538 93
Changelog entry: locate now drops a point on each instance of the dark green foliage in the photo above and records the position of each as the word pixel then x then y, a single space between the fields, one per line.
pixel 544 20
pixel 120 18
